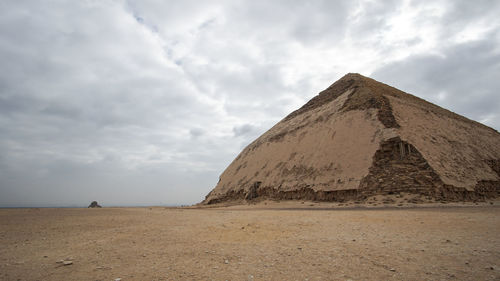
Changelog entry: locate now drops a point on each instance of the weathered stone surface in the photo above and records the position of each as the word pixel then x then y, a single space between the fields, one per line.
pixel 360 137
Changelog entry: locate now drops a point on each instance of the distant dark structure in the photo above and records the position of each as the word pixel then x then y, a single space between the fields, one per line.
pixel 94 204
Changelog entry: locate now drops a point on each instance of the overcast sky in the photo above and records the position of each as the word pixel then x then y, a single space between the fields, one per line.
pixel 147 102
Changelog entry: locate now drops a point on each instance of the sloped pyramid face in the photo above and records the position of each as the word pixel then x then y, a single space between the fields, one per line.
pixel 360 137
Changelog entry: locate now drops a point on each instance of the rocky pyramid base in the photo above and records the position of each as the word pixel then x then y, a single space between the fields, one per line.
pixel 398 168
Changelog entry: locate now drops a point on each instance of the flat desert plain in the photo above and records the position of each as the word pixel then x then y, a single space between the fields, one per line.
pixel 259 242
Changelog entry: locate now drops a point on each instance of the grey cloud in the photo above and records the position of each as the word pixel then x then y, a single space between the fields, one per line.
pixel 243 130
pixel 196 132
pixel 460 13
pixel 309 22
pixel 372 17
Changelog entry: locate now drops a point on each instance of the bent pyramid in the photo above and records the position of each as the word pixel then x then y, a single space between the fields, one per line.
pixel 359 138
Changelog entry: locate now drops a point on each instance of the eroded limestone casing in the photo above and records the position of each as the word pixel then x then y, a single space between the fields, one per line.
pixel 360 137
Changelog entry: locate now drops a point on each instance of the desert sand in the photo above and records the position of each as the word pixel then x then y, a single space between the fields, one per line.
pixel 267 241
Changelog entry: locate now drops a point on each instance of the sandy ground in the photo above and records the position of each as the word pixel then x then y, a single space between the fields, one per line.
pixel 251 243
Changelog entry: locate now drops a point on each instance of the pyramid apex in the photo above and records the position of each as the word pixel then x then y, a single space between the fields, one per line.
pixel 353 75
pixel 348 81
